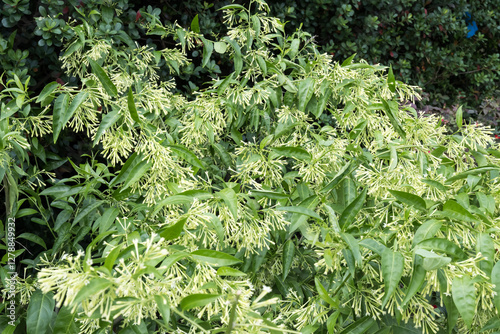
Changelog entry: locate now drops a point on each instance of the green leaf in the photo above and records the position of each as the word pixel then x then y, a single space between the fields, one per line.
pixel 426 231
pixel 208 48
pixel 464 295
pixel 457 212
pixel 174 231
pixel 417 279
pixel 299 210
pixel 391 81
pixel 75 104
pixel 348 215
pixel 85 211
pixel 495 279
pixel 348 61
pixel 65 322
pixel 39 314
pixel 92 289
pixel 288 253
pixel 292 152
pixel 323 294
pixel 111 257
pixel 214 258
pixel 472 171
pixel 237 57
pixel 228 271
pixel 360 326
pixel 410 199
pixel 342 173
pixel 136 173
pixel 394 158
pixel 131 106
pixel 294 48
pixel 187 155
pixel 229 197
pixel 195 24
pixel 486 246
pixel 373 245
pixel 33 238
pixel 197 300
pixel 391 109
pixel 108 86
pixel 458 117
pixel 268 194
pixel 306 90
pixel 164 307
pixel 392 270
pixel 358 129
pixel 443 246
pixel 432 261
pixel 107 121
pixel 232 7
pixel 220 47
pixel 353 246
pixel 131 162
pixel 47 91
pixel 435 184
pixel 60 109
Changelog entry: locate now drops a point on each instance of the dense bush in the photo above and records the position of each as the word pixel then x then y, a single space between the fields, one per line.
pixel 428 43
pixel 294 194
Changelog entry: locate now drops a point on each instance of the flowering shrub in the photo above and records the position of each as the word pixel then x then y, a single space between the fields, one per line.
pixel 294 195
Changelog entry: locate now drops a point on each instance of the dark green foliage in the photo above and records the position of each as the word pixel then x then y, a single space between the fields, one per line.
pixel 425 41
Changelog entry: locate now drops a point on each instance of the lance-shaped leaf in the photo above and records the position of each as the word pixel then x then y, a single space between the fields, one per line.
pixel 292 152
pixel 495 279
pixel 443 246
pixel 342 173
pixel 392 270
pixel 164 307
pixel 214 258
pixel 208 48
pixel 432 261
pixel 288 253
pixel 391 109
pixel 197 300
pixel 485 246
pixel 131 106
pixel 187 155
pixel 107 84
pixel 47 91
pixel 174 231
pixel 353 246
pixel 229 197
pixel 60 109
pixel 39 314
pixel 458 116
pixel 417 279
pixel 300 210
pixel 228 271
pixel 323 294
pixel 410 199
pixel 306 90
pixel 349 213
pixel 66 322
pixel 237 57
pixel 137 172
pixel 391 81
pixel 473 171
pixel 427 231
pixel 455 211
pixel 360 326
pixel 75 104
pixel 464 295
pixel 195 24
pixel 348 61
pixel 107 121
pixel 94 287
